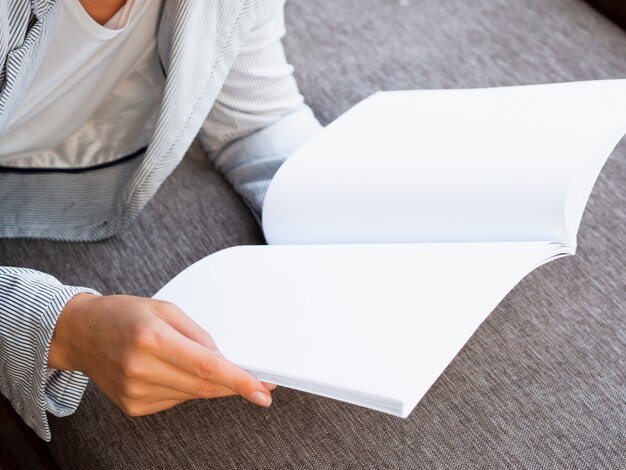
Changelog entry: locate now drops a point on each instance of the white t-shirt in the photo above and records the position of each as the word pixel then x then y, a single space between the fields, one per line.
pixel 95 98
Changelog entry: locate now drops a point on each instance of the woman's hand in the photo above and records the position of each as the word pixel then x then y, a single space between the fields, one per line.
pixel 146 355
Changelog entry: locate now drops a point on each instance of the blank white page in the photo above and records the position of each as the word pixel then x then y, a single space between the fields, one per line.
pixel 449 165
pixel 382 320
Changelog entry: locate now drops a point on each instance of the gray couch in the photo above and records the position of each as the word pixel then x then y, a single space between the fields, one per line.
pixel 542 384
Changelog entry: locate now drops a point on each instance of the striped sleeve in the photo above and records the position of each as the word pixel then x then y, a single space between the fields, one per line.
pixel 259 117
pixel 30 304
pixel 15 16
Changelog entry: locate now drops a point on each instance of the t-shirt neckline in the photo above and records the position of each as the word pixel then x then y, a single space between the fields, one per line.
pixel 116 25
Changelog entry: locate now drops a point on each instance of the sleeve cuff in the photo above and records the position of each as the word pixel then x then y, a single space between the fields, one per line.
pixel 251 162
pixel 53 391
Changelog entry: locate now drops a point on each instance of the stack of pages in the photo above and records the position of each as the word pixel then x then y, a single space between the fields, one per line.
pixel 397 230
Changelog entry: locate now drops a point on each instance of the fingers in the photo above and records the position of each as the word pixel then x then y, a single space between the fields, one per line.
pixel 198 361
pixel 156 394
pixel 269 386
pixel 148 356
pixel 182 384
pixel 161 406
pixel 163 381
pixel 144 409
pixel 176 318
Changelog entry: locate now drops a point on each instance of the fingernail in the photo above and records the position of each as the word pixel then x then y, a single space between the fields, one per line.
pixel 261 399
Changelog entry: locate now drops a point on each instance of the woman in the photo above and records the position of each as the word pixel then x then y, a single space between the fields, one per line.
pixel 99 101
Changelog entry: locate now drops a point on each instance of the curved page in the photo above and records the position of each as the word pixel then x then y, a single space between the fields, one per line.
pixel 368 324
pixel 582 183
pixel 449 165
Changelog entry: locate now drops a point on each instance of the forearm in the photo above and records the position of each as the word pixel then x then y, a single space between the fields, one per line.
pixel 260 117
pixel 251 162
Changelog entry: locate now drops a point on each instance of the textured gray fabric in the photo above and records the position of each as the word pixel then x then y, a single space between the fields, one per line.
pixel 542 384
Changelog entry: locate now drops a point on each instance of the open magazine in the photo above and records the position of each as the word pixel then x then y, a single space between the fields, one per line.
pixel 397 230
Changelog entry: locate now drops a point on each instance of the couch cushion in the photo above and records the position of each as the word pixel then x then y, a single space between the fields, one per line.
pixel 541 384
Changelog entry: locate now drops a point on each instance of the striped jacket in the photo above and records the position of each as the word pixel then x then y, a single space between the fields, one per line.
pixel 227 82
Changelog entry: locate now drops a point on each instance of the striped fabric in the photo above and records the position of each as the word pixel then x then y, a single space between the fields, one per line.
pixel 223 59
pixel 29 306
pixel 14 21
pixel 25 31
